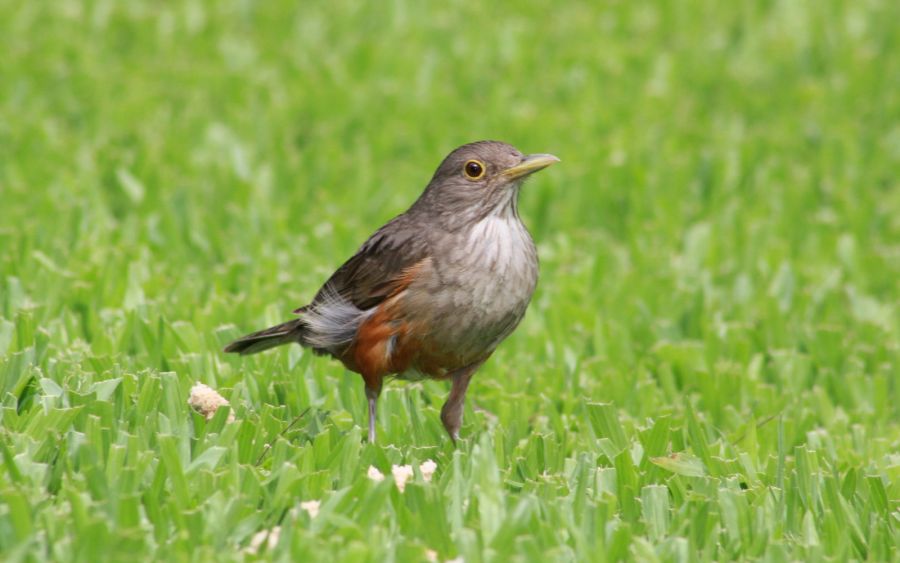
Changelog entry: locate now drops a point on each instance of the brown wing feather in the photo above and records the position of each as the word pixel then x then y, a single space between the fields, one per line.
pixel 372 274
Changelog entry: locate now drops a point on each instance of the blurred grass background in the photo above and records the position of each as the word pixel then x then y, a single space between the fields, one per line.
pixel 720 261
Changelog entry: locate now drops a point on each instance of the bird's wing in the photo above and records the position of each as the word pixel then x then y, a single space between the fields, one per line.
pixel 380 265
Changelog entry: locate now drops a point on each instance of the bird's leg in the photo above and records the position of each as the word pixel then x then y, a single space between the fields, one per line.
pixel 452 411
pixel 372 393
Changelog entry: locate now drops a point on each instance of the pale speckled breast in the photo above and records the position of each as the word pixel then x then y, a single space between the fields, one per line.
pixel 477 291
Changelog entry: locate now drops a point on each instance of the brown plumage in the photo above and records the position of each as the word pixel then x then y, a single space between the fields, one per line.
pixel 434 291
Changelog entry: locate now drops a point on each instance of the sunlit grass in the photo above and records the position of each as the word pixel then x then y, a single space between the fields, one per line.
pixel 710 368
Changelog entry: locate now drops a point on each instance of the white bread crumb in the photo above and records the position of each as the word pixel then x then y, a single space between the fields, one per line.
pixel 427 468
pixel 206 400
pixel 374 474
pixel 402 474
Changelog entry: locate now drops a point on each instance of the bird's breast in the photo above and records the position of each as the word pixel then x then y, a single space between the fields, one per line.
pixel 496 260
pixel 481 283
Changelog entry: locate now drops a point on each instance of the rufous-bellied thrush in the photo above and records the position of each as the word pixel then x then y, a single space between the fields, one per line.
pixel 434 291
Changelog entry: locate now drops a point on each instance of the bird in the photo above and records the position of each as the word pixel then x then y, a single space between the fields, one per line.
pixel 433 292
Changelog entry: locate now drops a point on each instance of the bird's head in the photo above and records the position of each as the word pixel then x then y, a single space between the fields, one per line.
pixel 481 178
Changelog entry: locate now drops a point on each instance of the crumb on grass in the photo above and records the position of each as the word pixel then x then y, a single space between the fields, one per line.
pixel 206 401
pixel 374 474
pixel 427 469
pixel 402 474
pixel 267 537
pixel 311 507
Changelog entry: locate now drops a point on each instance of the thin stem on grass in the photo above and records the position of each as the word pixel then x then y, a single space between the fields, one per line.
pixel 282 433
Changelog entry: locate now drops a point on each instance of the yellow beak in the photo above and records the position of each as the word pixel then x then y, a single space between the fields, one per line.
pixel 529 165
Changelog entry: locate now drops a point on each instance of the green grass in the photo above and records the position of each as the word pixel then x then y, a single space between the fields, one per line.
pixel 710 368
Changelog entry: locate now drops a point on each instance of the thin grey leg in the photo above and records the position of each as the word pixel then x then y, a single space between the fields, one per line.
pixel 452 411
pixel 372 396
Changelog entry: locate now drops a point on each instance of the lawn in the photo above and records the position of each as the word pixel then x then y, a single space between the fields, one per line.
pixel 709 370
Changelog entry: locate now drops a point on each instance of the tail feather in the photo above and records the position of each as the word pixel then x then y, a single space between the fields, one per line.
pixel 285 333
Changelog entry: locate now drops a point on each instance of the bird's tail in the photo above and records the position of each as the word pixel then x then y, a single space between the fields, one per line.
pixel 285 333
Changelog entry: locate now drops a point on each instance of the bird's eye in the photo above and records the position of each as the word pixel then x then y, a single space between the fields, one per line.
pixel 474 169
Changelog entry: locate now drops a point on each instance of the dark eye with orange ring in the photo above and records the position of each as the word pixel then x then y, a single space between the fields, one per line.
pixel 474 169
